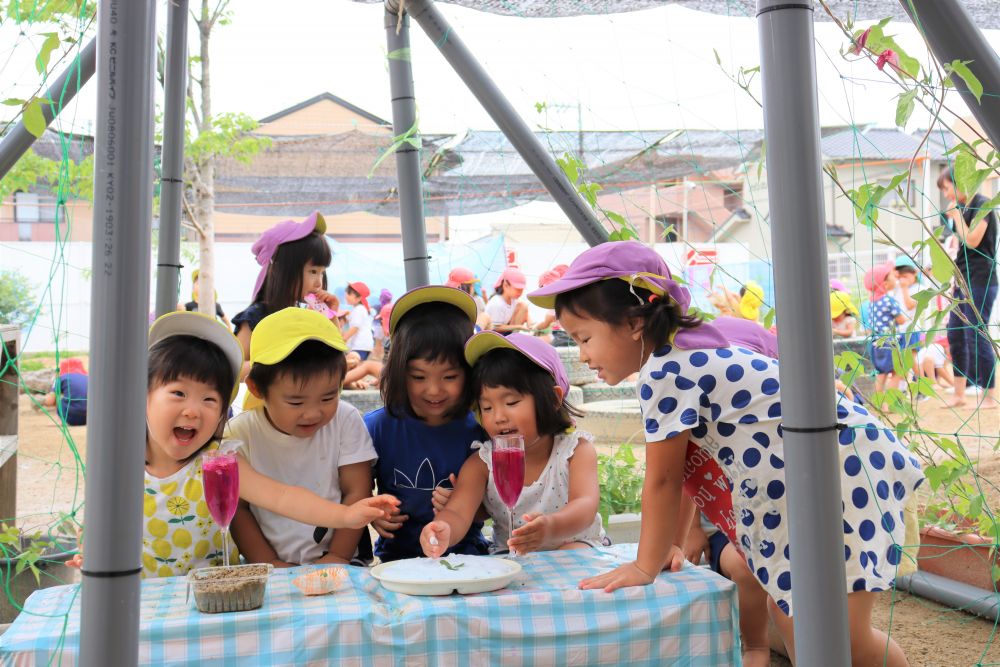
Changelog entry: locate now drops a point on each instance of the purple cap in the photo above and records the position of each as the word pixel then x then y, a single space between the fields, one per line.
pixel 837 285
pixel 638 265
pixel 283 232
pixel 748 334
pixel 384 297
pixel 538 351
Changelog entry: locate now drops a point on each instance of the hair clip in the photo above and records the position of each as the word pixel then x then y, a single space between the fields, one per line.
pixel 653 298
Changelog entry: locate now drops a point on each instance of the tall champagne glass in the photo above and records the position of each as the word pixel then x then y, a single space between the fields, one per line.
pixel 508 471
pixel 220 475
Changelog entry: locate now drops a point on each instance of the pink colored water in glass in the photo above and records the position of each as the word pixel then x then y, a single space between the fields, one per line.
pixel 508 470
pixel 221 480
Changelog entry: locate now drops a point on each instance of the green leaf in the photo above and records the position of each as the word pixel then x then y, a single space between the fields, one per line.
pixel 984 210
pixel 400 54
pixel 941 265
pixel 13 102
pixel 975 507
pixel 151 492
pixel 34 118
pixel 50 44
pixel 718 60
pixel 961 68
pixel 905 106
pixel 968 176
pixel 769 318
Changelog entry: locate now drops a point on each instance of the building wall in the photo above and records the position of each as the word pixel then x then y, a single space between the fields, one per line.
pixel 894 220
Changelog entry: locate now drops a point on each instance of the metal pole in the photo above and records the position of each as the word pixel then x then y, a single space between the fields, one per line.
pixel 798 236
pixel 116 424
pixel 952 35
pixel 168 264
pixel 503 114
pixel 62 90
pixel 404 117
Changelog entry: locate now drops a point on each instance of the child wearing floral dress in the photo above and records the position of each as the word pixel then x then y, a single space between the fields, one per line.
pixel 194 363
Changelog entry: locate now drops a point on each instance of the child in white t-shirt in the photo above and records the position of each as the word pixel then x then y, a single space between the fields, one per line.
pixel 302 433
pixel 358 334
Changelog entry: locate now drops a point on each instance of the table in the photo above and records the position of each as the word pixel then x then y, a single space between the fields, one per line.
pixel 542 618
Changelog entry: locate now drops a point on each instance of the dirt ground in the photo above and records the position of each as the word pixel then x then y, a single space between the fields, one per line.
pixel 931 635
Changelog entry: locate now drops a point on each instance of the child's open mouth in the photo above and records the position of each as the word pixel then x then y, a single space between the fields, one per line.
pixel 184 435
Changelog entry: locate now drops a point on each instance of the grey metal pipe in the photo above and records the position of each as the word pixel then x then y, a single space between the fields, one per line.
pixel 168 262
pixel 798 238
pixel 404 117
pixel 952 35
pixel 953 594
pixel 62 90
pixel 116 424
pixel 503 114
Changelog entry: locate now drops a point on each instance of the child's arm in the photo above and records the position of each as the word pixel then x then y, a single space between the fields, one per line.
pixel 305 506
pixel 550 317
pixel 909 303
pixel 454 521
pixel 243 336
pixel 695 543
pixel 250 539
pixel 355 485
pixel 661 501
pixel 573 518
pixel 349 334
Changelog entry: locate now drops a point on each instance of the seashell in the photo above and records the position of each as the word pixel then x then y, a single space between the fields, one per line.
pixel 321 582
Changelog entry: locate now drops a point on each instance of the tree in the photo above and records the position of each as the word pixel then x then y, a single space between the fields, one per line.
pixel 209 138
pixel 17 301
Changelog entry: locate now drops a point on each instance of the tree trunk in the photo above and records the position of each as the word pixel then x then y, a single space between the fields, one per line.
pixel 205 203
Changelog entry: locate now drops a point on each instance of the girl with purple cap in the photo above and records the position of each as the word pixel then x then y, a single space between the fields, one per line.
pixel 620 304
pixel 293 257
pixel 520 388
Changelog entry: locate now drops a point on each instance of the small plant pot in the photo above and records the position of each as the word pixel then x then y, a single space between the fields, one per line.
pixel 968 558
pixel 52 572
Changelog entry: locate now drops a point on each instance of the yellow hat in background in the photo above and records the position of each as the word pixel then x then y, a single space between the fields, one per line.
pixel 751 301
pixel 840 302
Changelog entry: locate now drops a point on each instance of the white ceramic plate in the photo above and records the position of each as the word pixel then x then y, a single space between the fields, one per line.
pixel 426 576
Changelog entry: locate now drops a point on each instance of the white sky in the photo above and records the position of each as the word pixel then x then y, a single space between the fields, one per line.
pixel 644 70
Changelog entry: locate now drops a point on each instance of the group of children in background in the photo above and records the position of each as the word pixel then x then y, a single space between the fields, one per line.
pixel 706 389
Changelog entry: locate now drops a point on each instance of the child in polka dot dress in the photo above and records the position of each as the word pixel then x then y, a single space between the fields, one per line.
pixel 619 303
pixel 520 386
pixel 886 315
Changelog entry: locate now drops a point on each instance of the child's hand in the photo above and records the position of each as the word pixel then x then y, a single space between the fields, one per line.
pixel 439 498
pixel 76 561
pixel 330 299
pixel 695 544
pixel 531 535
pixel 630 574
pixel 435 538
pixel 366 510
pixel 385 527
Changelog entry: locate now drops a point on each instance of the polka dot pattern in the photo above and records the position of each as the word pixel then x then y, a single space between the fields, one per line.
pixel 730 401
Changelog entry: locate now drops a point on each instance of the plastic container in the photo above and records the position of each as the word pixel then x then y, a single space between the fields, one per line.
pixel 234 588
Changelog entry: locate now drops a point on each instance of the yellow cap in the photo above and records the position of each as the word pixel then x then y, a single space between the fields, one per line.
pixel 430 294
pixel 840 302
pixel 280 333
pixel 751 301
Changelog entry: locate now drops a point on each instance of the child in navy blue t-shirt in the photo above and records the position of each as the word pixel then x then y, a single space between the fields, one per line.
pixel 424 433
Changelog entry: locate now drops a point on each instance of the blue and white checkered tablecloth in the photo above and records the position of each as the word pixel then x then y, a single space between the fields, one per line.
pixel 542 618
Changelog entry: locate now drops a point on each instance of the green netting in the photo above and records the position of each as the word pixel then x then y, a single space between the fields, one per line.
pixel 703 188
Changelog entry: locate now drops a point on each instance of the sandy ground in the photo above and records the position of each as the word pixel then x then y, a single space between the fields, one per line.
pixel 931 635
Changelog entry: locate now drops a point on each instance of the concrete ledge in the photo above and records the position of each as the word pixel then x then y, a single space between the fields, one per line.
pixel 598 391
pixel 365 400
pixel 613 422
pixel 577 373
